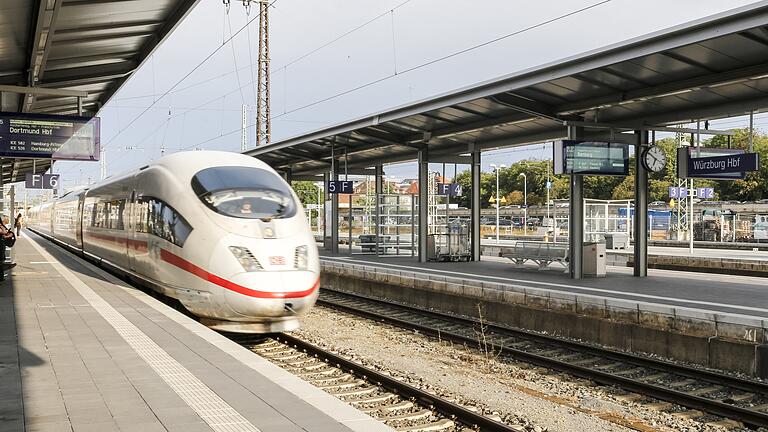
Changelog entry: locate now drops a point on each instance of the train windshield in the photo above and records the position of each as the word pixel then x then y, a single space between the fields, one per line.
pixel 244 192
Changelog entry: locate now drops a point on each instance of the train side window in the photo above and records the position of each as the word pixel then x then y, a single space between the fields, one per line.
pixel 164 221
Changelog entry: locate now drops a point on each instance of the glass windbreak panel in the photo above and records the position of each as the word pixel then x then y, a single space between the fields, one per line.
pixel 244 192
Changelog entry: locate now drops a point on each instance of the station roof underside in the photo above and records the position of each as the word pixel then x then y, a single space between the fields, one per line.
pixel 86 47
pixel 710 68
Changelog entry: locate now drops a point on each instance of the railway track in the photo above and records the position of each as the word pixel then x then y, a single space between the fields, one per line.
pixel 387 399
pixel 707 395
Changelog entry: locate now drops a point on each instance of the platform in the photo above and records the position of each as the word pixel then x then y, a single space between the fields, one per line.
pixel 742 295
pixel 81 351
pixel 717 321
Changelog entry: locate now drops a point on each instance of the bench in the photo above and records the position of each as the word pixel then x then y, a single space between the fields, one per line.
pixel 368 242
pixel 542 253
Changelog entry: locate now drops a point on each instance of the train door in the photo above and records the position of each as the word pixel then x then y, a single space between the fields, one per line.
pixel 132 237
pixel 79 221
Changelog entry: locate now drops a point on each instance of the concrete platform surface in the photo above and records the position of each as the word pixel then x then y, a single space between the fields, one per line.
pixel 81 351
pixel 742 295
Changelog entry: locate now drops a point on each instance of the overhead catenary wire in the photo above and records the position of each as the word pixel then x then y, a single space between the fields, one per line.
pixel 283 67
pixel 234 59
pixel 187 75
pixel 422 65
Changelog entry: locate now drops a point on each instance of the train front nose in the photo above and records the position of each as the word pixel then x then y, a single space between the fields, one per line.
pixel 268 279
pixel 273 294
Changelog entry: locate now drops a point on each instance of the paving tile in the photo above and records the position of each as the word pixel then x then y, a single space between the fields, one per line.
pixel 146 427
pixel 109 426
pixel 63 426
pixel 77 365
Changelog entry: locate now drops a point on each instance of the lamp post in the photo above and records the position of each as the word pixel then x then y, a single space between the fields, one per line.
pixel 525 203
pixel 497 168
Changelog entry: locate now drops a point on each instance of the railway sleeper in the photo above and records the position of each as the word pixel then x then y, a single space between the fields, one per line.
pixel 327 371
pixel 440 425
pixel 373 399
pixel 706 390
pixel 356 392
pixel 341 378
pixel 411 416
pixel 297 365
pixel 398 406
pixel 345 385
pixel 286 357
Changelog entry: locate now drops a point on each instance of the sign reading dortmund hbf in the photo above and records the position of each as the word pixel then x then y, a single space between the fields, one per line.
pixel 49 136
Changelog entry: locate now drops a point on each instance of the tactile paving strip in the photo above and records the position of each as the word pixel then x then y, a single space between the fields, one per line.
pixel 218 414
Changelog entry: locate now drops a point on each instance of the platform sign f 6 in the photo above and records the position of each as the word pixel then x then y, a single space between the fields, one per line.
pixel 345 187
pixel 42 181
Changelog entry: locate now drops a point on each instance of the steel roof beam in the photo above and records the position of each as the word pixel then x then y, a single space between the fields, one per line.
pixel 102 37
pixel 472 126
pixel 684 86
pixel 45 26
pixel 89 58
pixel 707 112
pixel 42 91
pixel 108 27
pixel 89 74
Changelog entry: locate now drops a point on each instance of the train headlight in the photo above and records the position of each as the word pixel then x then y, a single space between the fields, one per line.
pixel 246 258
pixel 301 261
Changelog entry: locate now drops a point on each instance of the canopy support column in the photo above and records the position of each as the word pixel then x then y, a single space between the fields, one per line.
pixel 379 190
pixel 334 212
pixel 641 207
pixel 475 206
pixel 326 234
pixel 576 217
pixel 423 204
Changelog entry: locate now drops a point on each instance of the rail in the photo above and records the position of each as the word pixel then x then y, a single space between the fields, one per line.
pixel 708 391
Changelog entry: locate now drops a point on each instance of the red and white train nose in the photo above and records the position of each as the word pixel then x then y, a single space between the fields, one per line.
pixel 272 281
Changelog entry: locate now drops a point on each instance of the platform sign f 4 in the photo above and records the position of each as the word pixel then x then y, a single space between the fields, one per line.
pixel 450 189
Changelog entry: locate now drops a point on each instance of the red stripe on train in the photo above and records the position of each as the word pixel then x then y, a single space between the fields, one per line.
pixel 185 265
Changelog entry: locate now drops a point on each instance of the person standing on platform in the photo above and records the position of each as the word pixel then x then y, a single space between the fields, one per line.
pixel 17 224
pixel 7 238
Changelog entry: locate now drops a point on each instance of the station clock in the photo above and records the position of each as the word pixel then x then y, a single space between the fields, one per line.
pixel 654 159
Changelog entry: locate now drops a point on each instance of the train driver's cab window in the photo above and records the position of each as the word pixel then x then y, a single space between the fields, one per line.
pixel 244 192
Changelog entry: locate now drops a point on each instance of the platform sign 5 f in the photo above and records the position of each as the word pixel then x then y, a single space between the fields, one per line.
pixel 345 187
pixel 42 181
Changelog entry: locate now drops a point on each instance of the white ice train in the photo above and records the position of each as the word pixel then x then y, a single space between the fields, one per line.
pixel 221 232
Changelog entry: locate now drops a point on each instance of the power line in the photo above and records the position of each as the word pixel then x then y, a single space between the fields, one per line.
pixel 290 63
pixel 200 64
pixel 443 58
pixel 352 90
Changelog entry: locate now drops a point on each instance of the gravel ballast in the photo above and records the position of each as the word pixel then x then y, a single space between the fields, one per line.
pixel 542 400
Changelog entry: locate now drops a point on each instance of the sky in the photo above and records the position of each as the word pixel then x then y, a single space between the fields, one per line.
pixel 336 60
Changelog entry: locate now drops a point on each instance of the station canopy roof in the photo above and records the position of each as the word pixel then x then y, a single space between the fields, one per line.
pixel 709 68
pixel 63 48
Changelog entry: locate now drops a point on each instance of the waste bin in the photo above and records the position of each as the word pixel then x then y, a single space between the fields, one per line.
pixel 593 256
pixel 616 240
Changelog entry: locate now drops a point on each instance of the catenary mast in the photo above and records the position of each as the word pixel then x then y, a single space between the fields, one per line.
pixel 263 117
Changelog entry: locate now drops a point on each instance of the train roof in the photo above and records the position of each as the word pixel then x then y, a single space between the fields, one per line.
pixel 186 164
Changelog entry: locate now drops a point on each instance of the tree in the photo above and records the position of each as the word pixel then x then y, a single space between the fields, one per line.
pixel 755 185
pixel 306 190
pixel 515 198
